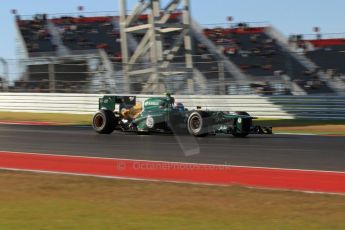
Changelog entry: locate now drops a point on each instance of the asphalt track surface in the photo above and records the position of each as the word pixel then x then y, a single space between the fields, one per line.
pixel 275 151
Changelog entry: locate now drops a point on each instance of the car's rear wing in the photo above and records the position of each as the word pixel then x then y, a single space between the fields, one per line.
pixel 112 102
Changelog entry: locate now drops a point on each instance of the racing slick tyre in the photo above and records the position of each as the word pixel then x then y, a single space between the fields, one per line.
pixel 104 122
pixel 245 122
pixel 197 124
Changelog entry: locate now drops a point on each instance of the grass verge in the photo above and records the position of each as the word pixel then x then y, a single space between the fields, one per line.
pixel 332 127
pixel 47 201
pixel 74 119
pixel 297 122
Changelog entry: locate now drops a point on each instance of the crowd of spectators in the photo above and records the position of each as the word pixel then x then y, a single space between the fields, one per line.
pixel 245 42
pixel 259 55
pixel 77 33
pixel 327 53
pixel 1 84
pixel 87 33
pixel 248 47
pixel 43 86
pixel 36 34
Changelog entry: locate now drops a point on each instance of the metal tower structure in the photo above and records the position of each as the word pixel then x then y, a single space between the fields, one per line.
pixel 159 56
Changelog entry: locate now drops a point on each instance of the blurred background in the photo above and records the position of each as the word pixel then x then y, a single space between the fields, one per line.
pixel 176 47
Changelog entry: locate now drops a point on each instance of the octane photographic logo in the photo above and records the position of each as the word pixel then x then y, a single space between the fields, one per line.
pixel 120 165
pixel 137 165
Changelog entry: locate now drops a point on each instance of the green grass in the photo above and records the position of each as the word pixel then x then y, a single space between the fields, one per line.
pixel 80 119
pixel 45 201
pixel 281 131
pixel 297 122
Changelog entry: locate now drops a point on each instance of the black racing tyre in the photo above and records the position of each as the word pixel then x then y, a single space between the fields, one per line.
pixel 104 122
pixel 248 122
pixel 197 124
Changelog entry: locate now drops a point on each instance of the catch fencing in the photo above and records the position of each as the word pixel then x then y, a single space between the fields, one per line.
pixel 288 107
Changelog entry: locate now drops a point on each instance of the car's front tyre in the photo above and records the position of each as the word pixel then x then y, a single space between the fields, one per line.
pixel 197 124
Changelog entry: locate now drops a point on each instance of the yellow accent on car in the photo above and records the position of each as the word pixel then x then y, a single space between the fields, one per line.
pixel 133 112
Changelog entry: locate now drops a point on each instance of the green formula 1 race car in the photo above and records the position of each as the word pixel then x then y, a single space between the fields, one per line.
pixel 162 114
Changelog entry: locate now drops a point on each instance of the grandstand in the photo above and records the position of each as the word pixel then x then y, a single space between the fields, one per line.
pixel 328 54
pixel 259 55
pixel 85 54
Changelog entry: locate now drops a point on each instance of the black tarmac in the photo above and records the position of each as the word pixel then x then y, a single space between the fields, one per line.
pixel 277 151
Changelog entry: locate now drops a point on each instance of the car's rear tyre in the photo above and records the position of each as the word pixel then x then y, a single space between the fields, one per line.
pixel 197 124
pixel 246 122
pixel 104 122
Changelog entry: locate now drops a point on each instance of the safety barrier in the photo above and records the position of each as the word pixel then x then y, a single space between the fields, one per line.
pixel 311 107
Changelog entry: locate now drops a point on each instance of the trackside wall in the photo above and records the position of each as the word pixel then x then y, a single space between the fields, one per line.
pixel 270 107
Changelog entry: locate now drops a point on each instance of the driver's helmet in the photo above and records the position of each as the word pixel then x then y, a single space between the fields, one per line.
pixel 170 99
pixel 179 106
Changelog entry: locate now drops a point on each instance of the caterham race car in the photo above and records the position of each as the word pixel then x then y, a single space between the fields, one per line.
pixel 163 115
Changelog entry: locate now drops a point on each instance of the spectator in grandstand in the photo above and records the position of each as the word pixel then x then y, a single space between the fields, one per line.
pixel 114 33
pixel 118 57
pixel 278 73
pixel 267 89
pixel 229 51
pixel 254 38
pixel 206 56
pixel 102 46
pixel 267 67
pixel 201 48
pixel 330 73
pixel 314 83
pixel 93 31
pixel 241 25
